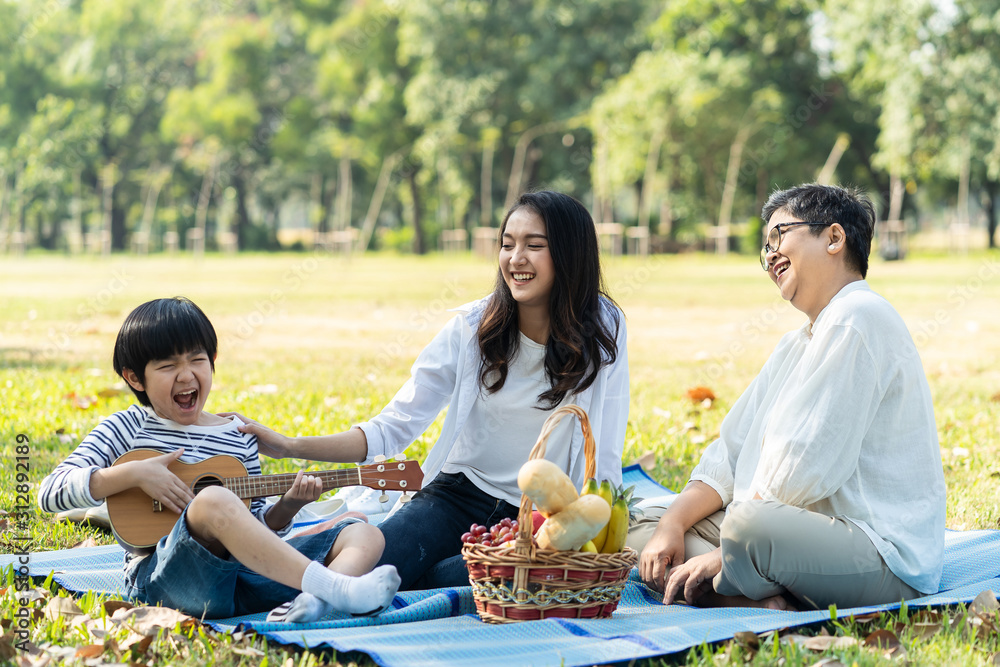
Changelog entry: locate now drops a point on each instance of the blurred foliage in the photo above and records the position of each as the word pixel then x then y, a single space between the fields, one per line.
pixel 247 116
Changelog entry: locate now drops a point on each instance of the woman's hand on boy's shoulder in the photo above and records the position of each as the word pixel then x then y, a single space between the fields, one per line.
pixel 269 443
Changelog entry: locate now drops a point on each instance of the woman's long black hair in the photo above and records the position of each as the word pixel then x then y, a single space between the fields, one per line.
pixel 580 340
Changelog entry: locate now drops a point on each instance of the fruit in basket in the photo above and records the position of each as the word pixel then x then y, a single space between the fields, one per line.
pixel 589 547
pixel 537 519
pixel 571 528
pixel 502 533
pixel 548 487
pixel 617 527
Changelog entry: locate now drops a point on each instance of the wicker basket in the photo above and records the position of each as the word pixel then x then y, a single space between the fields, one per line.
pixel 526 583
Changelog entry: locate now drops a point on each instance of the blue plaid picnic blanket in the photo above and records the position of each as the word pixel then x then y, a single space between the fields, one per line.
pixel 440 626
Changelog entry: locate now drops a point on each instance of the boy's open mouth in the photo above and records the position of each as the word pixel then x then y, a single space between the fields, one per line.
pixel 186 399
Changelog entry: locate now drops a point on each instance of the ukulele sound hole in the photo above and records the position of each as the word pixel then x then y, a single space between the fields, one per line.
pixel 206 482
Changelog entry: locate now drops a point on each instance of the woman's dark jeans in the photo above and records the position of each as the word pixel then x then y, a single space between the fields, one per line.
pixel 423 539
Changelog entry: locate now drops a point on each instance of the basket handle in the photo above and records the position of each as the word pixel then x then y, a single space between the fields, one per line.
pixel 523 543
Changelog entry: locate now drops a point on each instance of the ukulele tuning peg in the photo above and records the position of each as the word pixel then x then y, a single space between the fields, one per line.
pixel 400 457
pixel 383 498
pixel 405 498
pixel 379 459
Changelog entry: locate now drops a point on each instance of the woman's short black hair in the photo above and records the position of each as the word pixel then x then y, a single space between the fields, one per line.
pixel 850 207
pixel 159 329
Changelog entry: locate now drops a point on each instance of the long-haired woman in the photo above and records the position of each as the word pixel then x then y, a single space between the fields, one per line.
pixel 547 335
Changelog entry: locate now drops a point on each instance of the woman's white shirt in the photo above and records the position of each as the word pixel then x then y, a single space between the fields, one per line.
pixel 840 421
pixel 503 427
pixel 446 374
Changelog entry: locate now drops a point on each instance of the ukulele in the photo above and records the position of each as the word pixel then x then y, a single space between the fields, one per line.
pixel 138 521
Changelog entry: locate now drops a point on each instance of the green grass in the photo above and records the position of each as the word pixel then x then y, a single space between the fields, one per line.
pixel 336 337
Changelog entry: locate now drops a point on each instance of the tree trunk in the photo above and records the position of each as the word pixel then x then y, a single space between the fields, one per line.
pixel 419 246
pixel 486 185
pixel 652 159
pixel 988 199
pixel 896 191
pixel 375 205
pixel 109 209
pixel 242 214
pixel 729 191
pixel 964 174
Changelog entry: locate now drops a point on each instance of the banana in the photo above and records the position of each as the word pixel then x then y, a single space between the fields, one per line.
pixel 589 546
pixel 589 487
pixel 607 492
pixel 617 528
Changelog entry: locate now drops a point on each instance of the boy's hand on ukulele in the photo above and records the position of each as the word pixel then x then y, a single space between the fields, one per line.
pixel 269 443
pixel 305 489
pixel 160 484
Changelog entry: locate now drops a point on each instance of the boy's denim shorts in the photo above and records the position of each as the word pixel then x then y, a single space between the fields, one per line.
pixel 183 574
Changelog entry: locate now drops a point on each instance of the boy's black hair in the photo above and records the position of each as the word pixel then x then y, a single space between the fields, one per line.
pixel 159 329
pixel 831 203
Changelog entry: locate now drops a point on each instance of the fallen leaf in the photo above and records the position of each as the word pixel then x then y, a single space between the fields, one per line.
pixel 820 643
pixel 748 640
pixel 995 659
pixel 100 628
pixel 150 620
pixel 7 650
pixel 927 616
pixel 925 630
pixel 867 618
pixel 828 662
pixel 699 394
pixel 80 402
pixel 882 639
pixel 647 461
pixel 984 604
pixel 89 542
pixel 37 593
pixel 111 606
pixel 984 628
pixel 248 651
pixel 136 643
pixel 89 651
pixel 60 606
pixel 823 643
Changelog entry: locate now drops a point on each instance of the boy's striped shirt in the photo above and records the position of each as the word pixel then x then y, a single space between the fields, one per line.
pixel 68 486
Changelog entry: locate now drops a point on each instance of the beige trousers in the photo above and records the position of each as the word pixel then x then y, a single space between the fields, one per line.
pixel 770 548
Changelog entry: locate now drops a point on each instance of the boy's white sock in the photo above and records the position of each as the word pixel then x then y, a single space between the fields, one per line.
pixel 368 594
pixel 305 608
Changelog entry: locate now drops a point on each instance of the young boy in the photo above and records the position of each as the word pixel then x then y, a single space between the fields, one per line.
pixel 221 559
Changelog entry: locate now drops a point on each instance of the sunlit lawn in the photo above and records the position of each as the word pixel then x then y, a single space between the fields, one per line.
pixel 314 343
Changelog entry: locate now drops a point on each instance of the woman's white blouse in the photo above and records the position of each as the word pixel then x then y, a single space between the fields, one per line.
pixel 446 374
pixel 840 421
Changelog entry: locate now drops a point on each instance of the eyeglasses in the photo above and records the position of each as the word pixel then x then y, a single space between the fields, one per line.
pixel 774 239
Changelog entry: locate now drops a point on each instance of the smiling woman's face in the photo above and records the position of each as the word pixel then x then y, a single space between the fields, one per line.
pixel 795 267
pixel 525 260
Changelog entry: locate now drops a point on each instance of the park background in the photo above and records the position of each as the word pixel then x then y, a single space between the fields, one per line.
pixel 318 177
